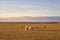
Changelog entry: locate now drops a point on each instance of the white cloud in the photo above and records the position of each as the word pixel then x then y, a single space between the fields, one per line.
pixel 37 9
pixel 17 5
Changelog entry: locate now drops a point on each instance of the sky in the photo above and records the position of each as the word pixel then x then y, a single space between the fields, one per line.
pixel 18 8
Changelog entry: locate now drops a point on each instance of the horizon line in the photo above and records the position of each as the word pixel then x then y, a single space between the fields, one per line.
pixel 29 16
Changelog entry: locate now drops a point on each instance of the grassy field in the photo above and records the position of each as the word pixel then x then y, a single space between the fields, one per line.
pixel 16 31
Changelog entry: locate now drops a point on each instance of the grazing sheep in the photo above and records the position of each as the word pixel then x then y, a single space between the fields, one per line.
pixel 32 27
pixel 26 28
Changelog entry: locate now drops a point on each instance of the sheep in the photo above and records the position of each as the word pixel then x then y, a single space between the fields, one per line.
pixel 26 27
pixel 30 27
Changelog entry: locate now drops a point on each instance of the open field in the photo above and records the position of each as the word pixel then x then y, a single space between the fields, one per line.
pixel 16 31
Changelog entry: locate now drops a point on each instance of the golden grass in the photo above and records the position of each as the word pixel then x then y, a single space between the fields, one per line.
pixel 16 31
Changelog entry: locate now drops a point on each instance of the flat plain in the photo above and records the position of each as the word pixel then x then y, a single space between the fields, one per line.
pixel 16 31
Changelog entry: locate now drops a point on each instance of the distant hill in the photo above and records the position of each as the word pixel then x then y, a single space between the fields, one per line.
pixel 30 19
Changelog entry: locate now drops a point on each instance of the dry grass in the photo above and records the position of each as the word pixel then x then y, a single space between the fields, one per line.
pixel 16 31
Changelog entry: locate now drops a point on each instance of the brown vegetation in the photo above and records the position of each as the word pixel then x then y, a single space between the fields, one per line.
pixel 16 31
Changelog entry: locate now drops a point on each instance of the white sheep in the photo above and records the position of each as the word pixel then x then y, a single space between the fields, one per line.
pixel 30 27
pixel 26 27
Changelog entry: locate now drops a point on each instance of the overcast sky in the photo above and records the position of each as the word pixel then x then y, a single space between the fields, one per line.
pixel 17 8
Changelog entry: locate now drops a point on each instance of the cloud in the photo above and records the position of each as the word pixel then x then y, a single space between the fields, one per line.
pixel 32 8
pixel 17 5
